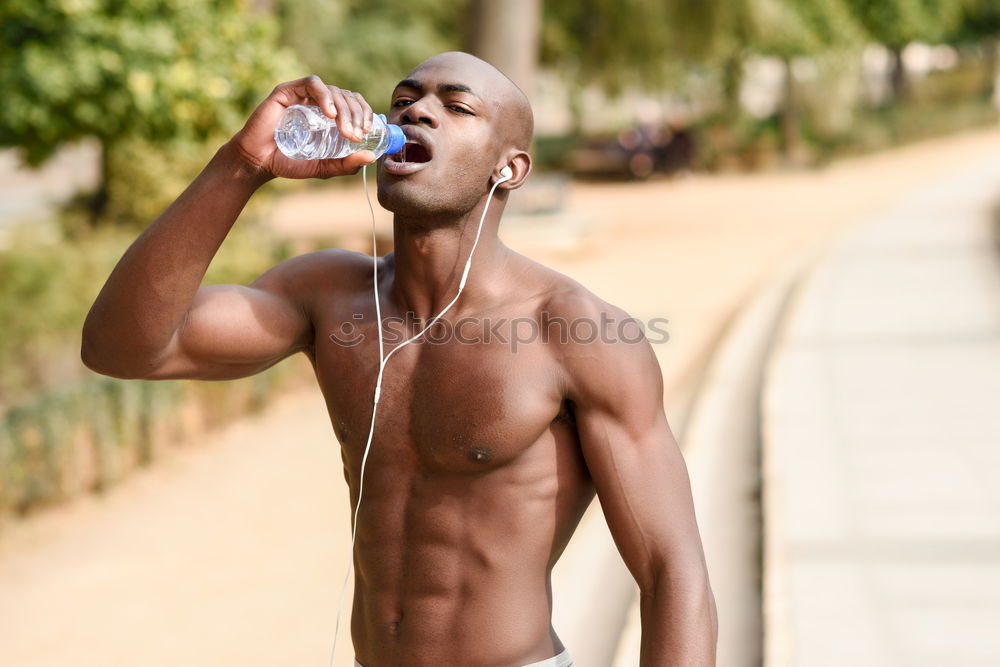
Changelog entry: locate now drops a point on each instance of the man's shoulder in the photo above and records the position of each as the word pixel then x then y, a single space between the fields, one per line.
pixel 567 300
pixel 603 351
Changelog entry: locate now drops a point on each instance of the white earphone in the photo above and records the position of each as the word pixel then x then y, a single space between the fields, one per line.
pixel 506 174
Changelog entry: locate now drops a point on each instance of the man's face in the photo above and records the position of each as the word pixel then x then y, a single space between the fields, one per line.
pixel 448 110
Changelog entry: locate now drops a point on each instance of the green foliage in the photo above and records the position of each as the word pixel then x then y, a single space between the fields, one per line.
pixel 110 69
pixel 980 20
pixel 167 167
pixel 820 25
pixel 368 45
pixel 160 71
pixel 45 290
pixel 614 43
pixel 896 23
pixel 718 30
pixel 91 434
pixel 651 44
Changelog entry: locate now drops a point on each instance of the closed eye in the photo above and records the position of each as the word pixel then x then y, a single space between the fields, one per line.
pixel 402 102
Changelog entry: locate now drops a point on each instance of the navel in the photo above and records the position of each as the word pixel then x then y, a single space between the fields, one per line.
pixel 479 455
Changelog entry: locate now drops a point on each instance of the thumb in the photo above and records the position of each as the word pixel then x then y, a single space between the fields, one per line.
pixel 342 166
pixel 355 161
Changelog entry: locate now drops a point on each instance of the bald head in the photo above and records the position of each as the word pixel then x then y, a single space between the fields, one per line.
pixel 517 124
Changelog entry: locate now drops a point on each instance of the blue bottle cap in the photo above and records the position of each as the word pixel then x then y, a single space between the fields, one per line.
pixel 396 138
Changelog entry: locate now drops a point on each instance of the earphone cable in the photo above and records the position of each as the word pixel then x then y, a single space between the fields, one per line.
pixel 384 359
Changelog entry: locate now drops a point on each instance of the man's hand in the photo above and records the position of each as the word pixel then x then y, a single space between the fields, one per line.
pixel 255 142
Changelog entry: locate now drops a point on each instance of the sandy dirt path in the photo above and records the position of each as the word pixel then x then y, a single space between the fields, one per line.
pixel 231 551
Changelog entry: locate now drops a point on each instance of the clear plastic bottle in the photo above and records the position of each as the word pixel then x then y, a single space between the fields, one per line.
pixel 304 132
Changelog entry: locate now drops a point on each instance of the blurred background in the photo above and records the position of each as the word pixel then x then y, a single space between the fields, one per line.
pixel 807 190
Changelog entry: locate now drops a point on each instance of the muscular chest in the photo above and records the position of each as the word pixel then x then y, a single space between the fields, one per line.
pixel 446 406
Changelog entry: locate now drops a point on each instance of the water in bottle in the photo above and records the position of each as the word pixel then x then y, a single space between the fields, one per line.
pixel 306 133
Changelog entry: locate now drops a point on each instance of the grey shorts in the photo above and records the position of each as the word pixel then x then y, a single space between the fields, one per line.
pixel 561 660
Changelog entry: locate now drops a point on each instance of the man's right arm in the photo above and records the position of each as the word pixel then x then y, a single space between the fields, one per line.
pixel 153 319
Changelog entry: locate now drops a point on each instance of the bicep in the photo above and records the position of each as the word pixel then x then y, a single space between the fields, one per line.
pixel 233 331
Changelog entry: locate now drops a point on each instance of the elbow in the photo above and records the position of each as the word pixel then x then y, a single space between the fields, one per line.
pixel 687 589
pixel 97 358
pixel 688 583
pixel 105 364
pixel 102 355
pixel 91 350
pixel 90 355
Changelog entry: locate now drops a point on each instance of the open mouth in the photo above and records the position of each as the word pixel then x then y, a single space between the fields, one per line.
pixel 414 157
pixel 412 153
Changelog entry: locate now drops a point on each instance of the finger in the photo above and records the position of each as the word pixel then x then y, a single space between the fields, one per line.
pixel 355 102
pixel 320 93
pixel 368 113
pixel 305 90
pixel 345 115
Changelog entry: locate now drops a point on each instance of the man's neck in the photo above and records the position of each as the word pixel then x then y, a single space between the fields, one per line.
pixel 427 264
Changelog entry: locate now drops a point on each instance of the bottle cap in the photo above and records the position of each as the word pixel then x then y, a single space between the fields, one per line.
pixel 396 138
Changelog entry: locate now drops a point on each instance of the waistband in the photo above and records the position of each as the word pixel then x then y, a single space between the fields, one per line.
pixel 561 660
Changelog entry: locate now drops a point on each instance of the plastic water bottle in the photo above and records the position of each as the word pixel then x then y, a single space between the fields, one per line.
pixel 306 133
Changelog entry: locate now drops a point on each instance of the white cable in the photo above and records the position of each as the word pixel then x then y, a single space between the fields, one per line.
pixel 383 359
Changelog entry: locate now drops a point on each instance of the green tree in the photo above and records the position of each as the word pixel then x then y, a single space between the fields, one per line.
pixel 787 30
pixel 896 23
pixel 980 24
pixel 611 43
pixel 979 20
pixel 367 45
pixel 726 32
pixel 155 71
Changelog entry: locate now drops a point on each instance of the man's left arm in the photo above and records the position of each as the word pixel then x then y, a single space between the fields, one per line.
pixel 642 482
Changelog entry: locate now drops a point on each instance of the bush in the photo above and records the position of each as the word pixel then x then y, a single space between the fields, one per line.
pixel 87 437
pixel 45 292
pixel 63 429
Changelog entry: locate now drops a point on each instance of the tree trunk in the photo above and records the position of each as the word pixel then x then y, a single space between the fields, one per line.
pixel 505 34
pixel 791 138
pixel 732 84
pixel 898 81
pixel 992 48
pixel 575 102
pixel 99 201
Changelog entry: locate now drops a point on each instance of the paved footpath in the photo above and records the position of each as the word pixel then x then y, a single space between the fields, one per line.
pixel 882 442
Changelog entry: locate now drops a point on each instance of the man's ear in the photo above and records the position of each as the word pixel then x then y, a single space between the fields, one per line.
pixel 520 166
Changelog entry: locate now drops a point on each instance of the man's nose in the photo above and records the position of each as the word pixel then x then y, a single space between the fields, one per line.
pixel 421 111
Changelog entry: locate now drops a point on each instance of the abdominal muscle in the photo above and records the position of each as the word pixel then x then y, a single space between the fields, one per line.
pixel 454 568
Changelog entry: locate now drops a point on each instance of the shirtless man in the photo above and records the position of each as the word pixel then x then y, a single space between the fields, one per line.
pixel 484 457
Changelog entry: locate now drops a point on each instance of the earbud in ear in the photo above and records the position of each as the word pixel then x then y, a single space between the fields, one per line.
pixel 506 174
